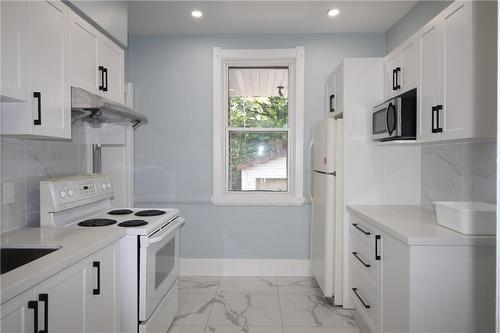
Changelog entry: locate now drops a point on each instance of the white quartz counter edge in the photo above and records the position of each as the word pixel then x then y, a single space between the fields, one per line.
pixel 77 244
pixel 415 225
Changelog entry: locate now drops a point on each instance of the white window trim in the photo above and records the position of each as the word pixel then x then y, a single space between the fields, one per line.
pixel 294 196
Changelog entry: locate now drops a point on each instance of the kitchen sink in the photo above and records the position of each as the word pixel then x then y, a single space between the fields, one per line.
pixel 14 257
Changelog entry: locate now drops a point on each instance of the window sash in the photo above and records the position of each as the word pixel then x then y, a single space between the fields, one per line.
pixel 289 171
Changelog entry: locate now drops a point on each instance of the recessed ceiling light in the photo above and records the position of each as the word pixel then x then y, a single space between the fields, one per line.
pixel 196 13
pixel 333 12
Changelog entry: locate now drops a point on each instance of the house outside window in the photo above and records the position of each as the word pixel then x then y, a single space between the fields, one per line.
pixel 258 126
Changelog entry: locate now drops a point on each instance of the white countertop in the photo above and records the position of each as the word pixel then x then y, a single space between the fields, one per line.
pixel 77 243
pixel 416 225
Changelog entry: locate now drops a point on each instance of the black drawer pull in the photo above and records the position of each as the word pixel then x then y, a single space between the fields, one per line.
pixel 45 298
pixel 355 225
pixel 394 74
pixel 377 239
pixel 101 69
pixel 105 87
pixel 398 71
pixel 97 264
pixel 38 96
pixel 34 305
pixel 355 290
pixel 332 108
pixel 361 260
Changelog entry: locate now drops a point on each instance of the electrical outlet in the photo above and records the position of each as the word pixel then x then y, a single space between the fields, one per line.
pixel 9 195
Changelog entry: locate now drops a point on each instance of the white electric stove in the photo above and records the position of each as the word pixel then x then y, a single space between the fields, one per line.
pixel 149 253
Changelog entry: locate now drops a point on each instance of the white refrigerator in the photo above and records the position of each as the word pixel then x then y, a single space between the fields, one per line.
pixel 326 200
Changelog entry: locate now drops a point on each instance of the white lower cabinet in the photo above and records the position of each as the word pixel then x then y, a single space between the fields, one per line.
pixel 18 314
pixel 78 299
pixel 398 288
pixel 103 305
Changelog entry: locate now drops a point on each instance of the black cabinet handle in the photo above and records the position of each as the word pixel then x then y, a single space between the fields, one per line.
pixel 361 260
pixel 355 225
pixel 355 290
pixel 435 119
pixel 394 73
pixel 101 70
pixel 38 96
pixel 97 264
pixel 332 97
pixel 105 88
pixel 398 80
pixel 34 305
pixel 45 298
pixel 377 239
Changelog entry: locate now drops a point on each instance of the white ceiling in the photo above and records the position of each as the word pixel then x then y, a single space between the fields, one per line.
pixel 174 17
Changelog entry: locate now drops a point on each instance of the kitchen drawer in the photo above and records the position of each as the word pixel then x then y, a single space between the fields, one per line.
pixel 363 257
pixel 365 297
pixel 364 230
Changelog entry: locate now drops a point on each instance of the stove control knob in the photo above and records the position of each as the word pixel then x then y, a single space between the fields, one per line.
pixel 109 185
pixel 70 193
pixel 63 194
pixel 103 186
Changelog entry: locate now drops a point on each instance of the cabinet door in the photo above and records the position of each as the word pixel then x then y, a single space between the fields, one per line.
pixel 409 65
pixel 111 57
pixel 14 44
pixel 391 62
pixel 47 22
pixel 431 79
pixel 83 54
pixel 19 314
pixel 103 312
pixel 66 295
pixel 458 110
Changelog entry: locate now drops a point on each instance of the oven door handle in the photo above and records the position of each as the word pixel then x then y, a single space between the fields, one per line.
pixel 166 233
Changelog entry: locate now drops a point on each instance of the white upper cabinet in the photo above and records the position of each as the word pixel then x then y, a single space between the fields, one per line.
pixel 14 44
pixel 401 69
pixel 457 74
pixel 83 54
pixel 111 68
pixel 392 68
pixel 45 50
pixel 97 63
pixel 47 111
pixel 430 93
pixel 48 68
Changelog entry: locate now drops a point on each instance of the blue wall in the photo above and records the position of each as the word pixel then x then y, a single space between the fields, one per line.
pixel 173 153
pixel 417 17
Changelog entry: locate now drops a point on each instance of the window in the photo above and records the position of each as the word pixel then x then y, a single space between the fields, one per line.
pixel 258 126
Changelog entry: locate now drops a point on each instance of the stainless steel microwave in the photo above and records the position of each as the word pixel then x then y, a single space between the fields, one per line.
pixel 396 119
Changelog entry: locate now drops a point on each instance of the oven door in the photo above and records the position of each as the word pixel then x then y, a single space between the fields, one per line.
pixel 159 266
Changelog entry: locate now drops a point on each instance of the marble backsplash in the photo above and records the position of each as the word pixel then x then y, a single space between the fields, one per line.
pixel 27 162
pixel 458 172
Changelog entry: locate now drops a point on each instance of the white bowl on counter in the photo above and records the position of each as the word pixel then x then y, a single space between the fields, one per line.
pixel 470 218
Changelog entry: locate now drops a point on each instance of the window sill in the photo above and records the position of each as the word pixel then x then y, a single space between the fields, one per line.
pixel 252 199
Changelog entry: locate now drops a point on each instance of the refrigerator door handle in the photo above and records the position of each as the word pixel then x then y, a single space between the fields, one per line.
pixel 311 169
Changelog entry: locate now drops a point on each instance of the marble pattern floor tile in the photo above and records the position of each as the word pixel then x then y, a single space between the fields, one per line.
pixel 298 285
pixel 186 329
pixel 194 309
pixel 249 285
pixel 245 310
pixel 312 310
pixel 238 329
pixel 211 304
pixel 199 284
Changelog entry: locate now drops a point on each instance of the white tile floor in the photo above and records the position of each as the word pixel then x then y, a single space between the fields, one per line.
pixel 258 305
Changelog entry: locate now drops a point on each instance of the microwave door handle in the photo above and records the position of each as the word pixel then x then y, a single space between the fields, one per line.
pixel 166 233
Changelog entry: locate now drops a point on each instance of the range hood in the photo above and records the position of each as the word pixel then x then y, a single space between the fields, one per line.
pixel 96 110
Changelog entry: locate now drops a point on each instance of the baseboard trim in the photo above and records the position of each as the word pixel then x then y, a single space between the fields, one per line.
pixel 245 267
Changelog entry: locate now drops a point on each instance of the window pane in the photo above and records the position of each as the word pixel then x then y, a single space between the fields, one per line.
pixel 258 97
pixel 258 161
